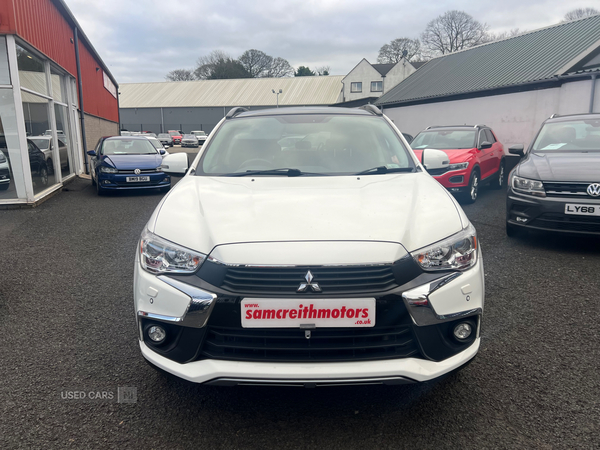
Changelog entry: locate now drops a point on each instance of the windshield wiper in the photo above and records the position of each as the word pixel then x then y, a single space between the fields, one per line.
pixel 384 169
pixel 284 171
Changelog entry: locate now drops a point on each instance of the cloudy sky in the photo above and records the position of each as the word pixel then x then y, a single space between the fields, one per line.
pixel 142 40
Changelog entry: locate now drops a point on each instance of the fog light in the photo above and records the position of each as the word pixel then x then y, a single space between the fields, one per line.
pixel 521 219
pixel 462 331
pixel 158 334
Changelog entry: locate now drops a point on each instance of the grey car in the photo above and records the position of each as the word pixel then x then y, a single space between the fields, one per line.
pixel 556 185
pixel 165 139
pixel 189 140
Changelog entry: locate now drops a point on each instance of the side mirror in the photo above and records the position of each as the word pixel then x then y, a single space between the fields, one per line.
pixel 485 144
pixel 91 152
pixel 176 163
pixel 518 149
pixel 162 152
pixel 434 159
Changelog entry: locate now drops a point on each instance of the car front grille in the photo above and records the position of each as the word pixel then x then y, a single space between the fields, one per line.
pixel 562 222
pixel 572 190
pixel 283 280
pixel 325 344
pixel 141 171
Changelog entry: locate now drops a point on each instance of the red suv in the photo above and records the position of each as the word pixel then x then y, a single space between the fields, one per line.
pixel 176 135
pixel 476 157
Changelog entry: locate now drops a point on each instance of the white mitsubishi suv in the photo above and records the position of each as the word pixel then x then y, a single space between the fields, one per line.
pixel 308 247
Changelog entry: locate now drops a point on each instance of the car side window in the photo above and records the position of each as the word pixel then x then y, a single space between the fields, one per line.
pixel 490 136
pixel 482 137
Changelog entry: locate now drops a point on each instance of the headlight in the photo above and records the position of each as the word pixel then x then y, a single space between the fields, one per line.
pixel 157 255
pixel 458 166
pixel 105 169
pixel 526 186
pixel 2 158
pixel 458 252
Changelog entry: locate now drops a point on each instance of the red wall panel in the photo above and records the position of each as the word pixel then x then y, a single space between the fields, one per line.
pixel 42 25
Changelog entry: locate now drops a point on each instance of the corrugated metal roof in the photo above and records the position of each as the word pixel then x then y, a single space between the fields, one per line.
pixel 323 90
pixel 534 56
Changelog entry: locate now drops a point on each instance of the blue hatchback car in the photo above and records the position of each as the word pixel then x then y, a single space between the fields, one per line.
pixel 127 162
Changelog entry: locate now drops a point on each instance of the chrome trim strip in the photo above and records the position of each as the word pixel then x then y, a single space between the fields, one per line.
pixel 420 308
pixel 216 261
pixel 307 383
pixel 198 310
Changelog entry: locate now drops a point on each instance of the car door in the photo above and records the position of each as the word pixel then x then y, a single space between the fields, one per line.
pixel 486 155
pixel 498 150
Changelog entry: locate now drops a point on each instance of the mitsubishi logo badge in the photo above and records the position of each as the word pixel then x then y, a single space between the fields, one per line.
pixel 304 286
pixel 137 171
pixel 594 190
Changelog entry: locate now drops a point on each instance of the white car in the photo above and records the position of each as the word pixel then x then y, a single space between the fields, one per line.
pixel 200 135
pixel 46 145
pixel 189 140
pixel 342 262
pixel 157 145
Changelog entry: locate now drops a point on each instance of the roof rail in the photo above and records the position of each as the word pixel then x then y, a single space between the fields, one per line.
pixel 235 111
pixel 372 109
pixel 428 127
pixel 553 116
pixel 479 125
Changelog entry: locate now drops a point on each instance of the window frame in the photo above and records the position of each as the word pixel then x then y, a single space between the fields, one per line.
pixel 352 87
pixel 377 82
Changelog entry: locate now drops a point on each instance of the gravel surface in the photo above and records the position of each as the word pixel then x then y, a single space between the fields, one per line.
pixel 67 319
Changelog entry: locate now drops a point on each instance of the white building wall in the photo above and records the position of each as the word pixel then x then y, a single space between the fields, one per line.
pixel 364 73
pixel 398 73
pixel 515 118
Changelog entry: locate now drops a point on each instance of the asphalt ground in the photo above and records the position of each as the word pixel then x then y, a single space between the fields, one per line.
pixel 67 325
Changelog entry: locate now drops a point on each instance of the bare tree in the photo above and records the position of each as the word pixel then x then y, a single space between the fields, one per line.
pixel 180 75
pixel 257 63
pixel 322 71
pixel 206 64
pixel 453 31
pixel 505 34
pixel 394 51
pixel 280 68
pixel 580 13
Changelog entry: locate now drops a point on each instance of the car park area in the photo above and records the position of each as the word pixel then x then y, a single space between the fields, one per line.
pixel 69 327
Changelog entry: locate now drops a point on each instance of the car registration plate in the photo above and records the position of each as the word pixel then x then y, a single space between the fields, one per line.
pixel 286 313
pixel 136 179
pixel 582 210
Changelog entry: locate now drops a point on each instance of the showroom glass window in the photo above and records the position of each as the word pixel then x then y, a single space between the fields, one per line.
pixel 60 90
pixel 10 154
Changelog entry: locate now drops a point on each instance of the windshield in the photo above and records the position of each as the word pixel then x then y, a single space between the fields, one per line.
pixel 316 144
pixel 164 136
pixel 128 147
pixel 189 136
pixel 42 144
pixel 174 133
pixel 576 135
pixel 445 140
pixel 199 133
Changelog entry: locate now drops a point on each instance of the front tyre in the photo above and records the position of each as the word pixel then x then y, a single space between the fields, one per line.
pixel 498 183
pixel 473 189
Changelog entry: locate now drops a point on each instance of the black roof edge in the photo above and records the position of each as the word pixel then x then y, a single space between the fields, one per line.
pixel 479 125
pixel 67 14
pixel 555 81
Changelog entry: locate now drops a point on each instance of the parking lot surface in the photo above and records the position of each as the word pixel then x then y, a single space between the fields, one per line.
pixel 68 327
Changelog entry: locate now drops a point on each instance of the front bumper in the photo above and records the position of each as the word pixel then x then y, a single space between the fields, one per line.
pixel 428 310
pixel 118 182
pixel 548 214
pixel 456 181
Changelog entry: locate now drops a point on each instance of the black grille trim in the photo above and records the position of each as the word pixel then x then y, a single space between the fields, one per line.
pixel 563 222
pixel 569 190
pixel 325 344
pixel 330 279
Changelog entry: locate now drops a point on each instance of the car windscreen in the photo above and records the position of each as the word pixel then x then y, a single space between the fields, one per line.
pixel 311 143
pixel 189 136
pixel 575 135
pixel 128 147
pixel 445 139
pixel 174 133
pixel 164 136
pixel 42 144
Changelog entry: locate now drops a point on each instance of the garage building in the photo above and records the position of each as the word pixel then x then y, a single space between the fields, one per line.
pixel 200 105
pixel 511 85
pixel 49 74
